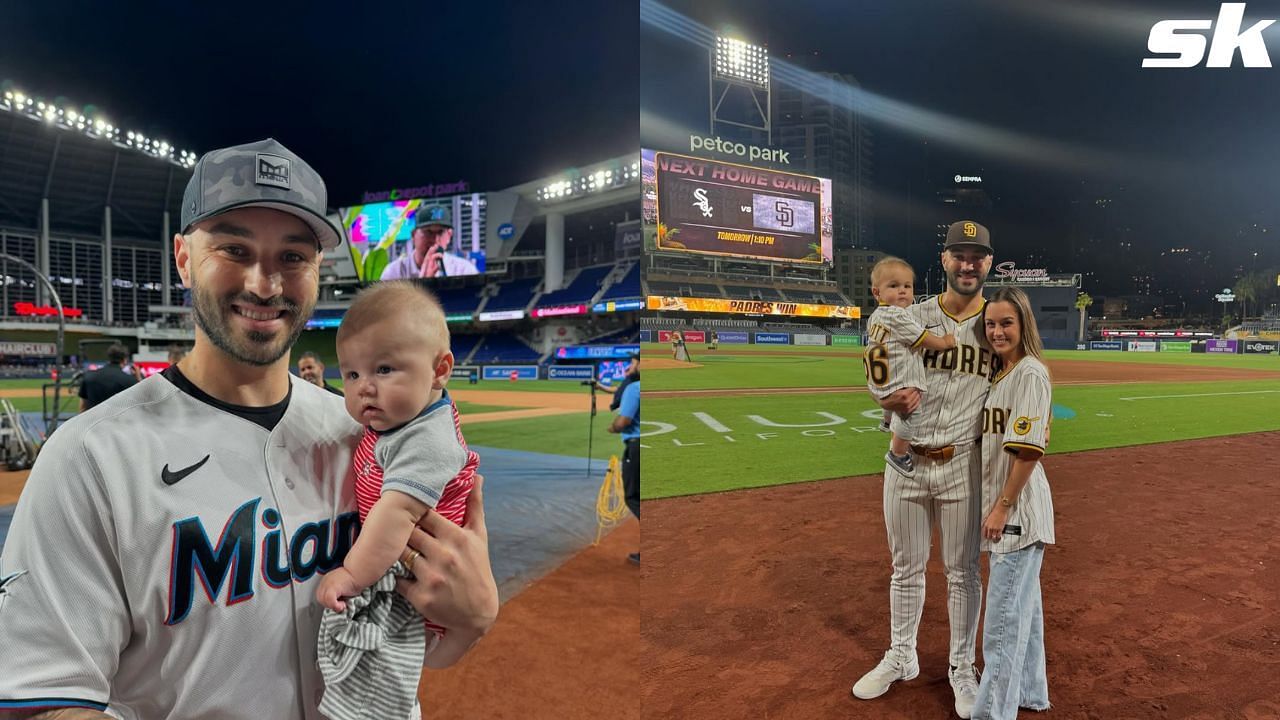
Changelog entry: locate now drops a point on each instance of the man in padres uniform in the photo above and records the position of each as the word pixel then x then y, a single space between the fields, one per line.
pixel 163 556
pixel 948 471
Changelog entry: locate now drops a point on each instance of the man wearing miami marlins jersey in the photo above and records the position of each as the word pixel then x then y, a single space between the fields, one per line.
pixel 163 557
pixel 948 475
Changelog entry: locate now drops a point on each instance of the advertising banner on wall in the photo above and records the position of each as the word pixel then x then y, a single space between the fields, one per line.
pixel 571 372
pixel 753 307
pixel 510 372
pixel 810 339
pixel 1222 346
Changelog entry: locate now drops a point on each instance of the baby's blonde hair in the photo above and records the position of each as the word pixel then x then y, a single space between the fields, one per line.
pixel 384 299
pixel 878 270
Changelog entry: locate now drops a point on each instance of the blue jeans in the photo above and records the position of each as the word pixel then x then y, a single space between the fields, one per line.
pixel 1013 674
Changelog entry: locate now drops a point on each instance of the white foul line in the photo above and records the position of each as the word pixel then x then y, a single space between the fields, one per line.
pixel 1161 397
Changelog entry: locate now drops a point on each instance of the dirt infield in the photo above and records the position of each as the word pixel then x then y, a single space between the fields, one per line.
pixel 1159 596
pixel 567 648
pixel 666 363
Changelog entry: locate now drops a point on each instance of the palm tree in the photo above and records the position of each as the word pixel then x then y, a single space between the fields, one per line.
pixel 1083 301
pixel 1246 291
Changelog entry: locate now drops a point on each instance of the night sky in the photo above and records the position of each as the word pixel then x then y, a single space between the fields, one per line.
pixel 374 96
pixel 1047 101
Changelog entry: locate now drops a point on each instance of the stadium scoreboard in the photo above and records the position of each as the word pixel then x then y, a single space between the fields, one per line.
pixel 719 208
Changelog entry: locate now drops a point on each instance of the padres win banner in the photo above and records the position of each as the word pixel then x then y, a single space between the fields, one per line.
pixel 753 307
pixel 720 208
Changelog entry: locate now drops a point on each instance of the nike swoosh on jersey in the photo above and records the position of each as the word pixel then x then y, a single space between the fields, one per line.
pixel 170 478
pixel 6 581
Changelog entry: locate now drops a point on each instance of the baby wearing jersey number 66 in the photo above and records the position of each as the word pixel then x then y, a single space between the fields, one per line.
pixel 890 360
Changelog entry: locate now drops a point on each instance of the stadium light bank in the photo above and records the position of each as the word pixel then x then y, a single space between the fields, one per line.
pixel 92 124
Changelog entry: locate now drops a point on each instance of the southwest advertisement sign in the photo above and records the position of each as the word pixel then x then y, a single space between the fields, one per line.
pixel 773 338
pixel 510 372
pixel 1106 345
pixel 721 208
pixel 1175 346
pixel 733 337
pixel 753 307
pixel 1221 346
pixel 571 372
pixel 1255 347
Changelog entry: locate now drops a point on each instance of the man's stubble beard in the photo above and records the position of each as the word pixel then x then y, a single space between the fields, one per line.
pixel 211 316
pixel 953 286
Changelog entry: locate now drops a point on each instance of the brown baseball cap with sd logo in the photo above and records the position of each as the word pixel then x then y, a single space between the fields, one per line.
pixel 968 232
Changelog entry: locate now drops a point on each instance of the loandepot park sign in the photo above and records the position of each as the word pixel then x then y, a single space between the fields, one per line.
pixel 422 191
pixel 729 147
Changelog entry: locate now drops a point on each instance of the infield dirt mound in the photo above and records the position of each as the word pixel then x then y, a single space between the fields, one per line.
pixel 1159 596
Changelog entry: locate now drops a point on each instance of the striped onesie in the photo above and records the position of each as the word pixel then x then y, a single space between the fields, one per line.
pixel 371 655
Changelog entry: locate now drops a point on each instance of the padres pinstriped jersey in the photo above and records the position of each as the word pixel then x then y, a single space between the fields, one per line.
pixel 164 554
pixel 893 334
pixel 957 380
pixel 1017 415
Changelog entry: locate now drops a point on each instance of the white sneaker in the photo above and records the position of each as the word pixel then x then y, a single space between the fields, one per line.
pixel 890 670
pixel 964 683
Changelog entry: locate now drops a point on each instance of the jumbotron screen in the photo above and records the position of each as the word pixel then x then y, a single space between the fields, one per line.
pixel 721 208
pixel 382 246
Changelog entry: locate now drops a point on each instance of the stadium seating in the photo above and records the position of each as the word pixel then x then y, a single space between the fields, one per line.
pixel 504 348
pixel 684 289
pixel 580 290
pixel 513 296
pixel 459 300
pixel 627 287
pixel 462 345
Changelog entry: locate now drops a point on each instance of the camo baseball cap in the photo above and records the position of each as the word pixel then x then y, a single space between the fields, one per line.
pixel 259 174
pixel 968 232
pixel 433 215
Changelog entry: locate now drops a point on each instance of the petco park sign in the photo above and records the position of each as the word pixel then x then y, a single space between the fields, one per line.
pixel 728 147
pixel 1007 271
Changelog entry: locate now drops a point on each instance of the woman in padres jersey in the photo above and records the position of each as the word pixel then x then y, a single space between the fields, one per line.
pixel 1017 511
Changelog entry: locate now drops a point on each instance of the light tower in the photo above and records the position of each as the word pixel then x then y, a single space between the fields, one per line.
pixel 740 69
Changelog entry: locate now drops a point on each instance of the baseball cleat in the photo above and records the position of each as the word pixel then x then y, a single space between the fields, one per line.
pixel 890 670
pixel 965 686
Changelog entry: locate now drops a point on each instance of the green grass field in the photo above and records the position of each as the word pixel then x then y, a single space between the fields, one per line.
pixel 706 443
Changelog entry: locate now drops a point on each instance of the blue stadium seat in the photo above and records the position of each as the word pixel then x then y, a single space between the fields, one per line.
pixel 513 295
pixel 627 287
